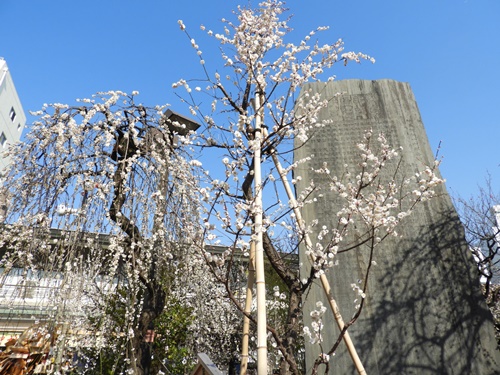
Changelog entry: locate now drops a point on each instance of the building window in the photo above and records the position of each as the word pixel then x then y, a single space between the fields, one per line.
pixel 19 127
pixel 3 139
pixel 12 114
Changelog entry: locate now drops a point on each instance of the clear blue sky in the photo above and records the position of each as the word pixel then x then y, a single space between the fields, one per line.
pixel 448 50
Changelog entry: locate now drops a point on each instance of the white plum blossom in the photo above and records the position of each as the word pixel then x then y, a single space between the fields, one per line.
pixel 254 111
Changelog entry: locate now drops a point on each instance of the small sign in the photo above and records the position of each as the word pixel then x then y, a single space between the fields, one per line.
pixel 150 336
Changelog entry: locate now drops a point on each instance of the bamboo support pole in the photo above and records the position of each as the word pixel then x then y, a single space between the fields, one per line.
pixel 324 280
pixel 248 308
pixel 259 250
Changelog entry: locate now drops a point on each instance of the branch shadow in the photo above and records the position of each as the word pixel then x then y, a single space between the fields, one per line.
pixel 426 313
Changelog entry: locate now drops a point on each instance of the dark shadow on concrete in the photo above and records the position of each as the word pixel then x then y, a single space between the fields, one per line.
pixel 427 315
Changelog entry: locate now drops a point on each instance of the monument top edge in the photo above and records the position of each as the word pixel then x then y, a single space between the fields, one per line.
pixel 357 86
pixel 357 80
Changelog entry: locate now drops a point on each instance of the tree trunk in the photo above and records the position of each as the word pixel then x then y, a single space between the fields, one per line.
pixel 292 332
pixel 154 303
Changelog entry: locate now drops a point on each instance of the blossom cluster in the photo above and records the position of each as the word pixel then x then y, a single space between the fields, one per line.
pixel 314 333
pixel 371 196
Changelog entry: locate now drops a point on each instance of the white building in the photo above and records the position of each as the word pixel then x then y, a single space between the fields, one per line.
pixel 495 210
pixel 12 117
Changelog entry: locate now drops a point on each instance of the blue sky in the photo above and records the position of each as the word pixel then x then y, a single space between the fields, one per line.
pixel 448 50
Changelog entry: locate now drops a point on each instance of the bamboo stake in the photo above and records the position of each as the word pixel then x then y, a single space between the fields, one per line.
pixel 324 280
pixel 248 308
pixel 259 250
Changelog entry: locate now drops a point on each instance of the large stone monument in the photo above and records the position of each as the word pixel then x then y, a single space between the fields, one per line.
pixel 424 313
